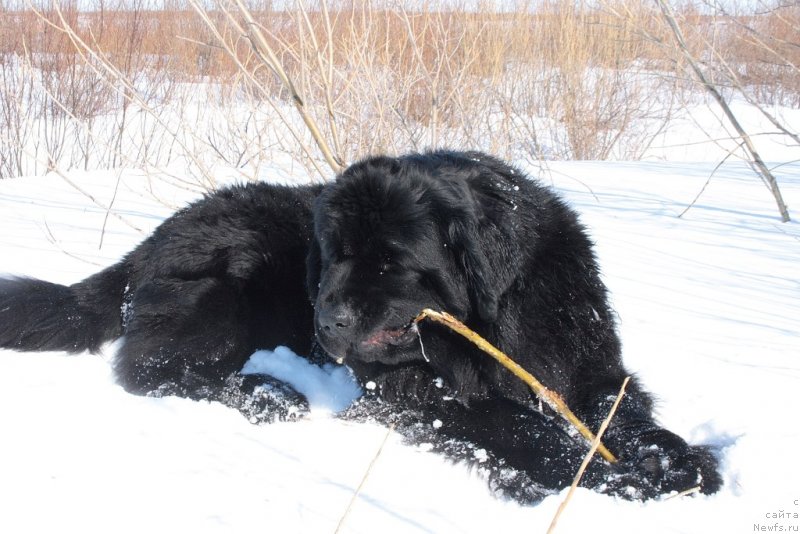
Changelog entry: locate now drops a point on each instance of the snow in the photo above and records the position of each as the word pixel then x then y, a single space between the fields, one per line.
pixel 709 313
pixel 328 389
pixel 701 132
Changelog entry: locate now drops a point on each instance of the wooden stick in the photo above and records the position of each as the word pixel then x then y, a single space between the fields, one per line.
pixel 588 457
pixel 548 396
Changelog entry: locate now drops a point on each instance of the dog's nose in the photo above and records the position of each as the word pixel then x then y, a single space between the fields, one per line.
pixel 336 320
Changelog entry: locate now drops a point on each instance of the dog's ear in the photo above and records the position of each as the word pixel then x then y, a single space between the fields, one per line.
pixel 482 248
pixel 313 269
pixel 483 286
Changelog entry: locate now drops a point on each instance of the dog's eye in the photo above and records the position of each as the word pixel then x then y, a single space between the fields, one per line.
pixel 425 280
pixel 385 264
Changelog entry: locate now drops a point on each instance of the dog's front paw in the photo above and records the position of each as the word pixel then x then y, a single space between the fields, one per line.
pixel 263 399
pixel 672 466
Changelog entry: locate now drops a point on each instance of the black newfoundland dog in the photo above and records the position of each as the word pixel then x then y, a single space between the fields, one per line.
pixel 460 232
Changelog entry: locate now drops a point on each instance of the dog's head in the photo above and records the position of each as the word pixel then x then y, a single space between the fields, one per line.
pixel 393 237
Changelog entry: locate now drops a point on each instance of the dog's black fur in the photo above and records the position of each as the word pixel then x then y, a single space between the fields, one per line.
pixel 462 232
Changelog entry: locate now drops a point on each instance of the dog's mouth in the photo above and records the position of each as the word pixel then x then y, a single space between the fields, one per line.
pixel 393 336
pixel 381 340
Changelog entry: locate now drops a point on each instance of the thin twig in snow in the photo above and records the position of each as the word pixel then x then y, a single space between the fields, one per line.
pixel 364 479
pixel 589 455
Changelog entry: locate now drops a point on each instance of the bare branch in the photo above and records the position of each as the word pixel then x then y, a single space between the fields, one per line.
pixel 759 164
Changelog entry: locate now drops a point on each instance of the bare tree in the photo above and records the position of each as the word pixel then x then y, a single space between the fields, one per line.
pixel 710 86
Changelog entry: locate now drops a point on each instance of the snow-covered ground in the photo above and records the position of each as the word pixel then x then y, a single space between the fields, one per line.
pixel 709 308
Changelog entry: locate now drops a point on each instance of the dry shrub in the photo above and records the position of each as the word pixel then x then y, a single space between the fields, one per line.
pixel 566 80
pixel 764 47
pixel 546 79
